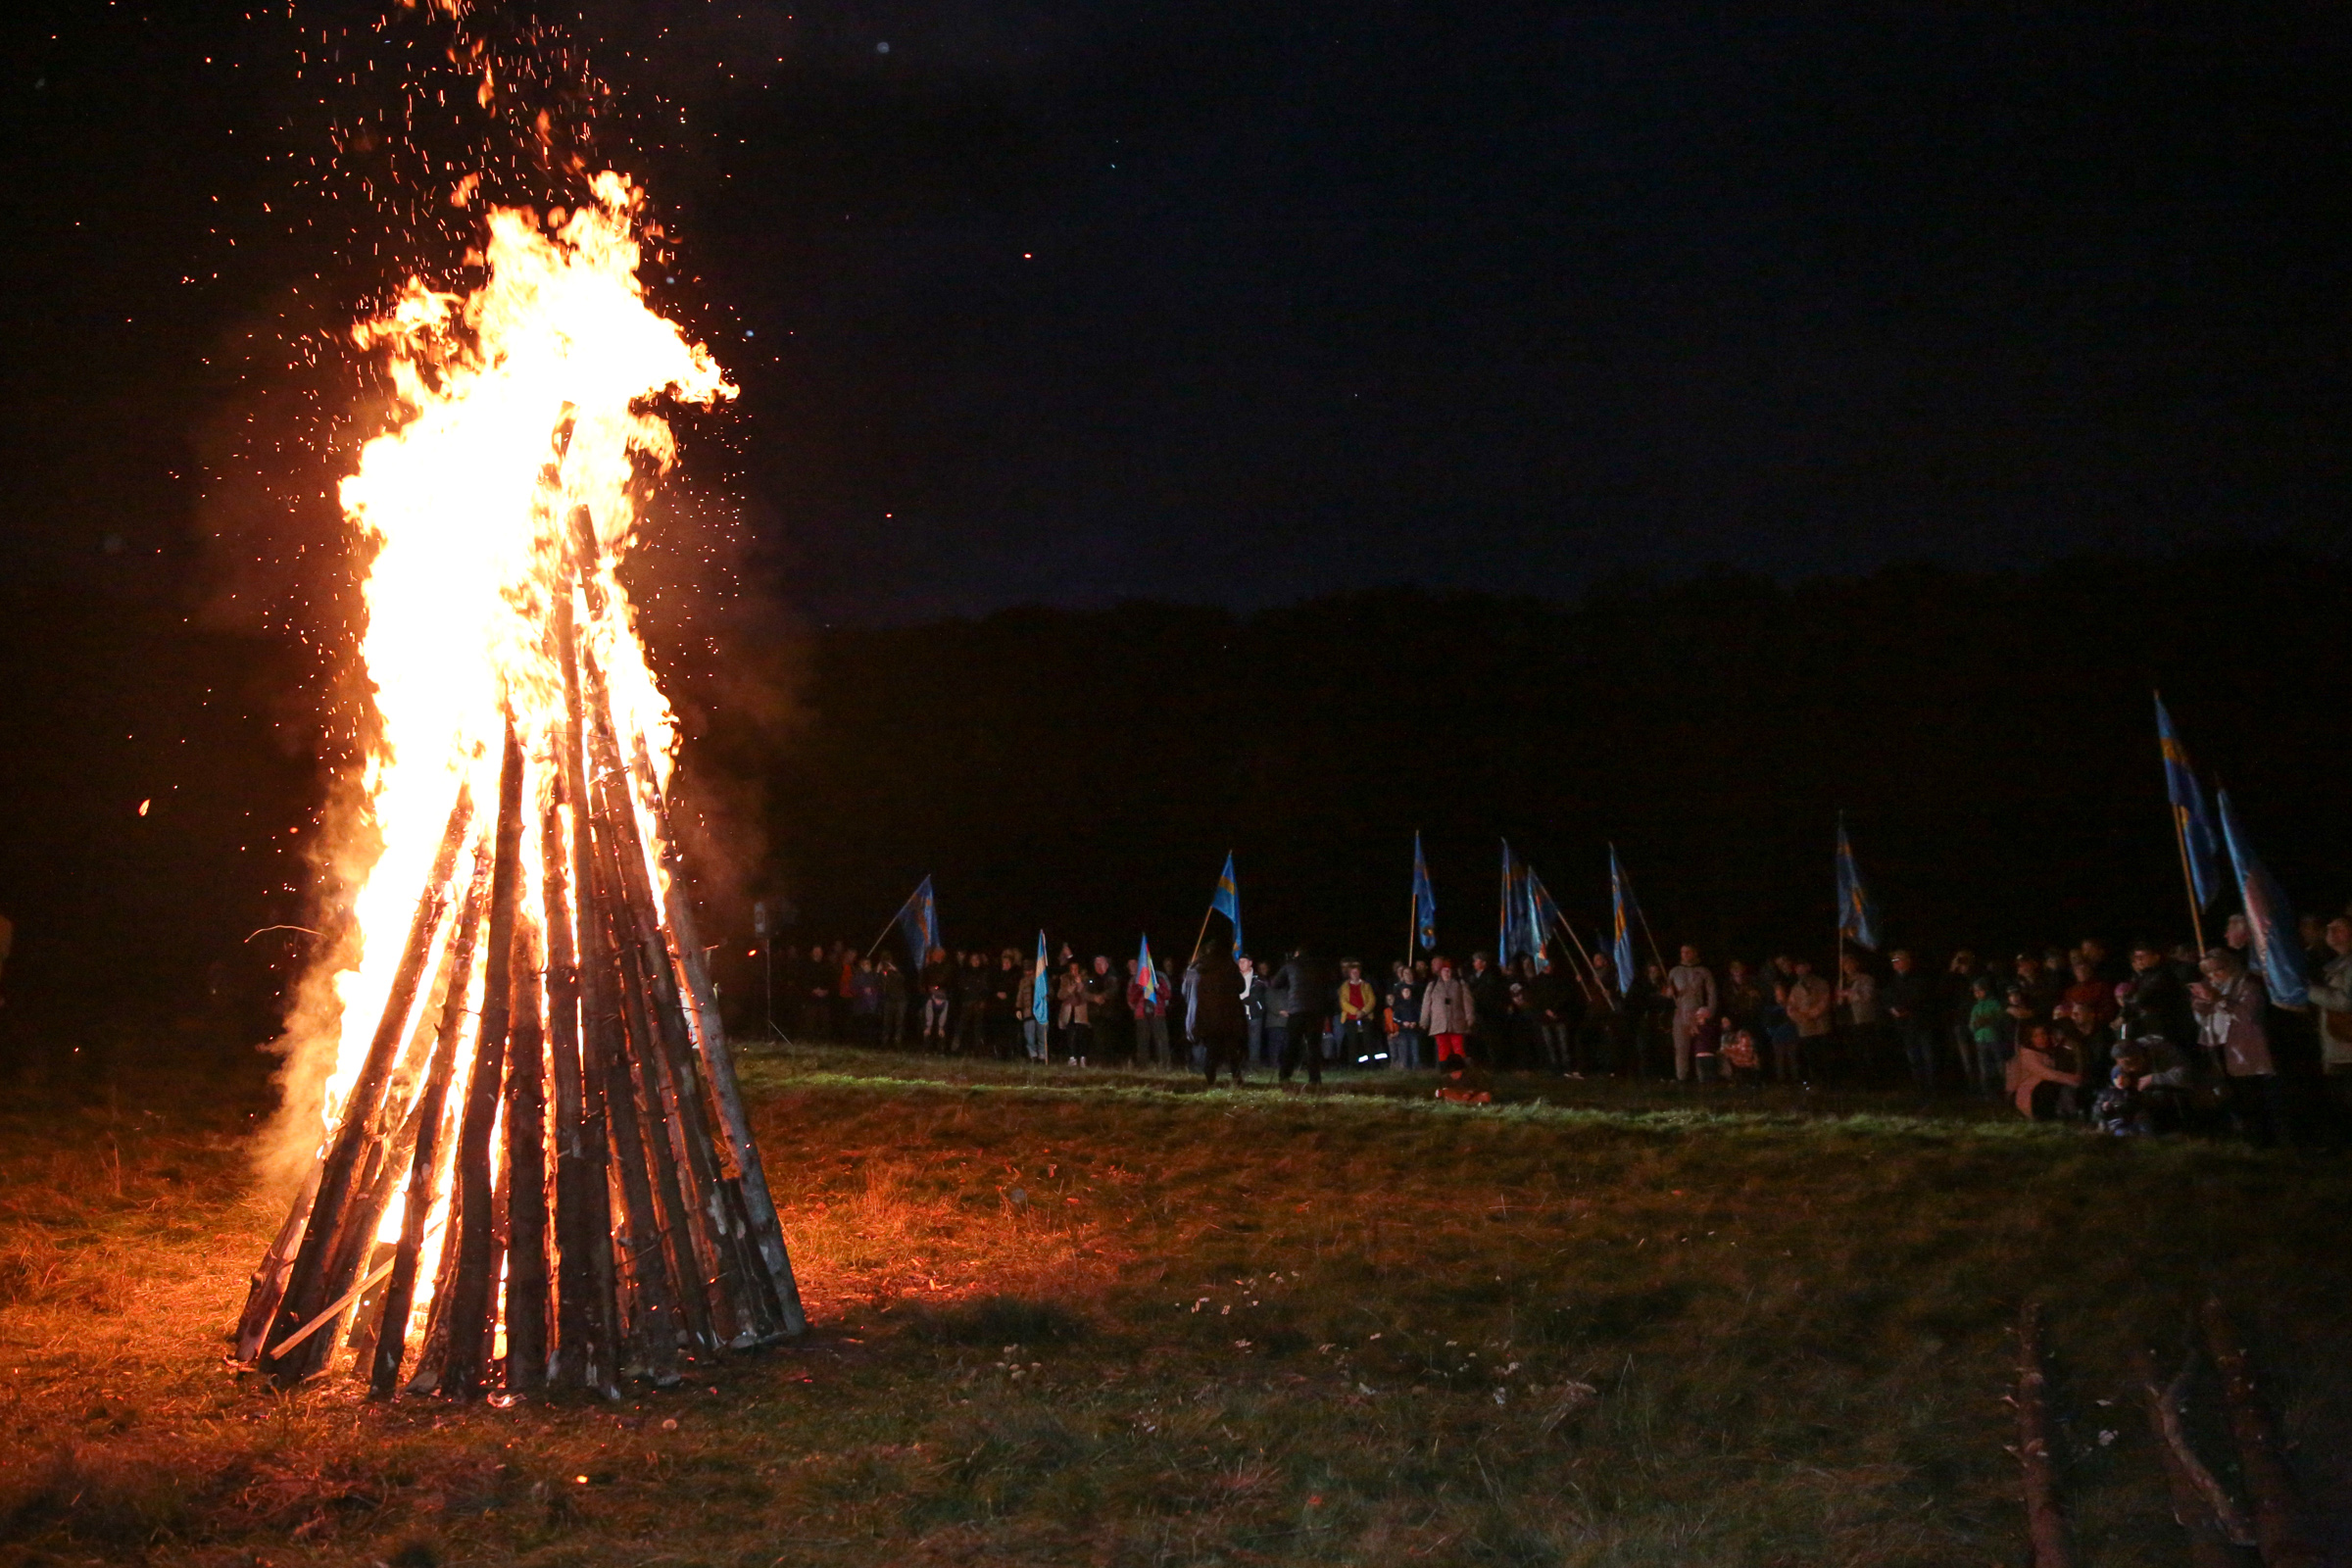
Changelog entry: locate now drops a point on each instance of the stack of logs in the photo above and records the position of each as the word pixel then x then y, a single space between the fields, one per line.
pixel 2220 1534
pixel 643 1205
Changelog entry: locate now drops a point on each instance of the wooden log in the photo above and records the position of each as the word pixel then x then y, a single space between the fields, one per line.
pixel 2200 1507
pixel 269 1281
pixel 569 1365
pixel 526 1174
pixel 466 1307
pixel 2045 1526
pixel 654 1317
pixel 424 1157
pixel 711 1043
pixel 309 1284
pixel 589 1351
pixel 2280 1526
pixel 742 1310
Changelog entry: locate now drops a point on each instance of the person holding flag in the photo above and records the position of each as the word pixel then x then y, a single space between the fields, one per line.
pixel 1038 1020
pixel 1227 902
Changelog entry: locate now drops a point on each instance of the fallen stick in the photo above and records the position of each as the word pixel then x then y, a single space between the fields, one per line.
pixel 2278 1527
pixel 2214 1524
pixel 2045 1526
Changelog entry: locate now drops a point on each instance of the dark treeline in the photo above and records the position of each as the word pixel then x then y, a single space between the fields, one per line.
pixel 1988 735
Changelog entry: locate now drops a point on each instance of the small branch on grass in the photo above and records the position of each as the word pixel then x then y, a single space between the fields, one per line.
pixel 2044 1525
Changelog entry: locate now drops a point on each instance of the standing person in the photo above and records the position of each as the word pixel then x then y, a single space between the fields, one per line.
pixel 865 1003
pixel 816 996
pixel 971 1004
pixel 1220 1022
pixel 2331 996
pixel 1278 1015
pixel 1810 1004
pixel 1491 1004
pixel 1253 1009
pixel 1036 1033
pixel 1956 997
pixel 1358 1002
pixel 939 999
pixel 1547 1005
pixel 2158 1002
pixel 1911 1006
pixel 894 1002
pixel 1989 1026
pixel 1864 1019
pixel 1404 1020
pixel 1448 1012
pixel 1105 1011
pixel 1073 1013
pixel 1150 1014
pixel 1310 1007
pixel 1006 1002
pixel 2230 1002
pixel 1691 986
pixel 1780 1030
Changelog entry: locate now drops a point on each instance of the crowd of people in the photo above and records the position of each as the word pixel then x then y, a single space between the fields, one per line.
pixel 2164 1040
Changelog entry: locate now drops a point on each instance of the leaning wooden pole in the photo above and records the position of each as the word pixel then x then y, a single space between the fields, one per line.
pixel 2200 1507
pixel 466 1308
pixel 527 1172
pixel 424 1159
pixel 308 1287
pixel 2045 1526
pixel 2280 1528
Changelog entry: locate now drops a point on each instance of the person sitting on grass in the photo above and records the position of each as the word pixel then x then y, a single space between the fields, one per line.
pixel 2146 1093
pixel 2040 1084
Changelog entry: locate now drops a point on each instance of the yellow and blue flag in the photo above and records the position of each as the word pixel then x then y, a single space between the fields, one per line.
pixel 1543 917
pixel 1626 912
pixel 1425 902
pixel 1517 935
pixel 1148 974
pixel 1227 902
pixel 2267 916
pixel 1039 1007
pixel 2198 841
pixel 1857 910
pixel 918 920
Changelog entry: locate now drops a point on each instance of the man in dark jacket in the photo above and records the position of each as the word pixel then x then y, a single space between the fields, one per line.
pixel 1308 990
pixel 1490 1012
pixel 1910 1004
pixel 1220 1022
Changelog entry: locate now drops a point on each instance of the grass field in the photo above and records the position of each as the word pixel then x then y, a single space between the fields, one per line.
pixel 1109 1318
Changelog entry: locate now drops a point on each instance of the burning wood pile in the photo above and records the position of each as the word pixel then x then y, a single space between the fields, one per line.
pixel 534 1170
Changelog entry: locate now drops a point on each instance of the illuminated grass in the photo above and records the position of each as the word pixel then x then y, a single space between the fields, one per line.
pixel 1621 1326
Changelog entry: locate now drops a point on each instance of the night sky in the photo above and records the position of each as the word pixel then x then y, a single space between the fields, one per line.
pixel 1242 304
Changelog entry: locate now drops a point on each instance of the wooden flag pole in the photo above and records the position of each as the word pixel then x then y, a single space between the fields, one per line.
pixel 1204 918
pixel 2189 879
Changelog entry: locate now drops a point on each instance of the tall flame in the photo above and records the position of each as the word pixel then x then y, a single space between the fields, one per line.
pixel 522 406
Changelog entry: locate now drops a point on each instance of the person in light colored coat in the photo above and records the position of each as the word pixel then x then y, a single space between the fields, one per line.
pixel 2229 1003
pixel 1447 1013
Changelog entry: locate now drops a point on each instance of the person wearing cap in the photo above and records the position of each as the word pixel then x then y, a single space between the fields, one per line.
pixel 2230 1002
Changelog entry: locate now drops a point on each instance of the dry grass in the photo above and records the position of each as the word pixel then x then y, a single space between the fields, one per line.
pixel 1109 1319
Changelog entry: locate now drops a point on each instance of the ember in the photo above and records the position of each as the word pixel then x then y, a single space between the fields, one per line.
pixel 535 1167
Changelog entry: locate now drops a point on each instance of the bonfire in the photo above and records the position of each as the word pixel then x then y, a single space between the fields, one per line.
pixel 534 1168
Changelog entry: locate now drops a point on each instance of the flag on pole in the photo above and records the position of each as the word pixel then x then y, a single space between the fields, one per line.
pixel 2198 841
pixel 1543 916
pixel 919 919
pixel 1147 975
pixel 1227 902
pixel 1425 902
pixel 1628 914
pixel 1517 935
pixel 1857 910
pixel 2268 916
pixel 1039 1007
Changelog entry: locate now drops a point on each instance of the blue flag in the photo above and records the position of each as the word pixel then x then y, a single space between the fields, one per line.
pixel 2267 916
pixel 1626 913
pixel 2198 842
pixel 918 920
pixel 1425 902
pixel 1543 916
pixel 1857 911
pixel 1146 974
pixel 1227 902
pixel 1039 1007
pixel 1518 934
